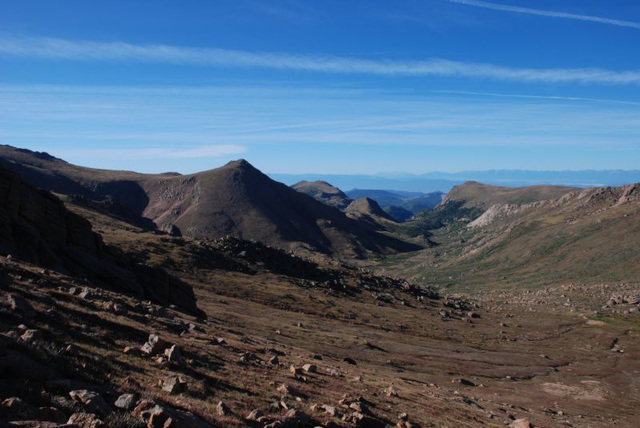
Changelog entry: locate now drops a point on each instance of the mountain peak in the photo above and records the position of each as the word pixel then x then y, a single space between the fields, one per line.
pixel 239 163
pixel 366 206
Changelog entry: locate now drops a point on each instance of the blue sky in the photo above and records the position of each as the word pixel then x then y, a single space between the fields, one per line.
pixel 324 86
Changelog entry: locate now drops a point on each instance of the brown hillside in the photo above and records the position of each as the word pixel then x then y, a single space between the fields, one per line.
pixel 479 195
pixel 585 236
pixel 324 192
pixel 236 200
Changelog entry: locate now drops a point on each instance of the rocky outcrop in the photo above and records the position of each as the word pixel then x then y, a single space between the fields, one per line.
pixel 495 213
pixel 36 227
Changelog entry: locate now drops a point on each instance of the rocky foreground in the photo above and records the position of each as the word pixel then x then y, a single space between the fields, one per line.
pixel 287 344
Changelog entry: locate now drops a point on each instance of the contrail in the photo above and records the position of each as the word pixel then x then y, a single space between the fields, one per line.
pixel 549 13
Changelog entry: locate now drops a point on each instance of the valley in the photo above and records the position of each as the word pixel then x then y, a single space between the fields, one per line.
pixel 225 298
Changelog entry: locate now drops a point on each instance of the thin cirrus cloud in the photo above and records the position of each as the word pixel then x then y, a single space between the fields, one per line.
pixel 60 49
pixel 205 151
pixel 548 13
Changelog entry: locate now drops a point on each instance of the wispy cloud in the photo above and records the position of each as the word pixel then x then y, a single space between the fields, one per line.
pixel 548 13
pixel 537 97
pixel 60 49
pixel 207 151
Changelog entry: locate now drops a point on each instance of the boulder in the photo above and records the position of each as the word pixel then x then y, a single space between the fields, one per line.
pixel 126 401
pixel 285 389
pixel 174 385
pixel 521 423
pixel 168 417
pixel 91 401
pixel 310 368
pixel 14 408
pixel 130 350
pixel 86 294
pixel 51 414
pixel 17 365
pixel 19 305
pixel 31 336
pixel 85 420
pixel 296 418
pixel 222 409
pixel 154 345
pixel 350 361
pixel 174 356
pixel 255 415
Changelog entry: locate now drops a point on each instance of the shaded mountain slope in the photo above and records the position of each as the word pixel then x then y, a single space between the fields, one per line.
pixel 368 210
pixel 398 213
pixel 324 192
pixel 36 227
pixel 425 202
pixel 236 200
pixel 239 200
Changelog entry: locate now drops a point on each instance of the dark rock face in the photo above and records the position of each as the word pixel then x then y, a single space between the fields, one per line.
pixel 36 227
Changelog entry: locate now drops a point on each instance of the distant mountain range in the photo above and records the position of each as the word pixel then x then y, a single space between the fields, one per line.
pixel 444 181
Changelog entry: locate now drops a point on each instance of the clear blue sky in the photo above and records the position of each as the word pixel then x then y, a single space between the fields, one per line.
pixel 325 86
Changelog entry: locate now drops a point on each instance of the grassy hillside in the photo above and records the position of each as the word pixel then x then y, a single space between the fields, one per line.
pixel 476 194
pixel 585 236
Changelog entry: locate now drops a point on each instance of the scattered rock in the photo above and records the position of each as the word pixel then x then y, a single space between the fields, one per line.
pixel 391 391
pixel 167 417
pixel 521 423
pixel 86 295
pixel 142 406
pixel 85 420
pixel 310 368
pixel 364 421
pixel 463 382
pixel 130 350
pixel 296 417
pixel 223 409
pixel 174 385
pixel 350 361
pixel 274 360
pixel 285 389
pixel 129 384
pixel 51 414
pixel 15 408
pixel 154 345
pixel 91 401
pixel 255 415
pixel 334 372
pixel 18 304
pixel 126 401
pixel 174 356
pixel 330 410
pixel 31 336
